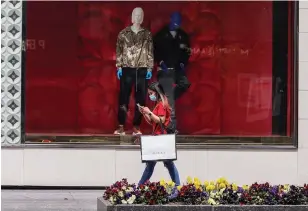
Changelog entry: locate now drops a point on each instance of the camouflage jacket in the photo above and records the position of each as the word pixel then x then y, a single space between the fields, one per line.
pixel 134 50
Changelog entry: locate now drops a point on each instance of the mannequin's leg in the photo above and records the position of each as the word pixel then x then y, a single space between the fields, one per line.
pixel 148 172
pixel 126 83
pixel 182 84
pixel 173 171
pixel 140 96
pixel 166 80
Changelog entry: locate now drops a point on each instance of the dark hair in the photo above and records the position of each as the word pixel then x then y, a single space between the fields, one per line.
pixel 156 87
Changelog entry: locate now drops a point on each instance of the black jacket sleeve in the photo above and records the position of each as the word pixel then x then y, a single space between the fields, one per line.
pixel 158 46
pixel 185 53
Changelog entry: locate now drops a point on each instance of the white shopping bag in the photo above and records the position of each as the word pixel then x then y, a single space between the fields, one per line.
pixel 158 148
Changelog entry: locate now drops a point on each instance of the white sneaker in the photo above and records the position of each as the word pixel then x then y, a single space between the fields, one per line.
pixel 136 131
pixel 119 131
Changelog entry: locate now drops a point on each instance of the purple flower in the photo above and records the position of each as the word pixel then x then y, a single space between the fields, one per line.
pixel 204 194
pixel 127 195
pixel 274 190
pixel 240 190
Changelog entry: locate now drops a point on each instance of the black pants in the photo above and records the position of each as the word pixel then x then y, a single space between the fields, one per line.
pixel 166 80
pixel 130 77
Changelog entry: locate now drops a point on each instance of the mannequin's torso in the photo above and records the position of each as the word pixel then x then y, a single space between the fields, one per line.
pixel 134 48
pixel 171 46
pixel 135 45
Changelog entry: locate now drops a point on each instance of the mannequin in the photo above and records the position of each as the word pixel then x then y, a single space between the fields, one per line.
pixel 172 52
pixel 134 62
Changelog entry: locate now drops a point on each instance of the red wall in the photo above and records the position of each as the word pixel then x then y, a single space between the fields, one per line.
pixel 71 85
pixel 52 72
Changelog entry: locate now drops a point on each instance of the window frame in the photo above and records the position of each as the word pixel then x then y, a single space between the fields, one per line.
pixel 183 142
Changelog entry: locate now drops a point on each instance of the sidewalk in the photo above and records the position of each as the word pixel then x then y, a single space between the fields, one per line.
pixel 49 200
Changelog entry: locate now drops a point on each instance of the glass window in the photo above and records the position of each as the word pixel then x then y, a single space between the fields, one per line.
pixel 235 86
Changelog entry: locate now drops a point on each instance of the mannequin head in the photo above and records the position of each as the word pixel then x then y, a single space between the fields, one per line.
pixel 137 16
pixel 175 21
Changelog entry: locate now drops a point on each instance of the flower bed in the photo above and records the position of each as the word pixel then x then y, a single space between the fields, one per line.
pixel 194 192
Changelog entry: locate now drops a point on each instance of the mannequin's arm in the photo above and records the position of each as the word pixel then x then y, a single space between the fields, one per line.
pixel 119 51
pixel 157 48
pixel 185 54
pixel 150 62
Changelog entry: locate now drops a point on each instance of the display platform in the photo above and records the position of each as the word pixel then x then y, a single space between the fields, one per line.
pixel 182 140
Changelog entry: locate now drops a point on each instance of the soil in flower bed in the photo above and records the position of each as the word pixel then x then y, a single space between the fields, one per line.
pixel 195 192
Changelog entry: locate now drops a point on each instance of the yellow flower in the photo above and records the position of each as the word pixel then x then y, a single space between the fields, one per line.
pixel 219 181
pixel 212 183
pixel 189 180
pixel 222 185
pixel 210 188
pixel 245 187
pixel 206 183
pixel 179 187
pixel 196 180
pixel 234 186
pixel 211 201
pixel 162 182
pixel 286 188
pixel 197 183
pixel 223 179
pixel 171 183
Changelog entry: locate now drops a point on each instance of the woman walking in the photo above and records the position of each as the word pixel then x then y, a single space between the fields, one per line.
pixel 161 113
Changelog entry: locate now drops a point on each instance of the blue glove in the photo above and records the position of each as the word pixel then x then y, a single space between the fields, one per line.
pixel 149 74
pixel 182 66
pixel 119 73
pixel 163 66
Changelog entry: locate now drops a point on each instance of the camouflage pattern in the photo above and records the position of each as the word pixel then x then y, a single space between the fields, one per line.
pixel 128 49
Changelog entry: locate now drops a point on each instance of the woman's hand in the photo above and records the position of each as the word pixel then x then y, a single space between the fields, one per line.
pixel 146 110
pixel 141 109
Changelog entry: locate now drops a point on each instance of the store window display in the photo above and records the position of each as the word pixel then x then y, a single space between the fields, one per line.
pixel 236 56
